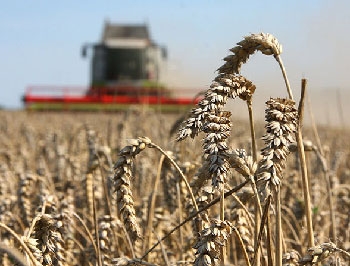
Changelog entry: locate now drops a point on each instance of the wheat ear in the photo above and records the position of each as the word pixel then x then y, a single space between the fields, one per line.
pixel 223 87
pixel 210 241
pixel 281 120
pixel 50 242
pixel 317 254
pixel 122 185
pixel 281 123
pixel 265 43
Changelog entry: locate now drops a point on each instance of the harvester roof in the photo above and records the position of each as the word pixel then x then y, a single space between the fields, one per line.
pixel 116 35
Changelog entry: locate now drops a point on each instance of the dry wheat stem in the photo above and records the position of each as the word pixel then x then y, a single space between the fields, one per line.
pixel 244 208
pixel 178 190
pixel 222 218
pixel 165 256
pixel 252 129
pixel 193 215
pixel 183 177
pixel 14 254
pixel 105 189
pixel 296 239
pixel 86 230
pixel 152 204
pixel 23 245
pixel 246 257
pixel 278 230
pixel 331 204
pixel 96 228
pixel 261 229
pixel 301 152
pixel 284 73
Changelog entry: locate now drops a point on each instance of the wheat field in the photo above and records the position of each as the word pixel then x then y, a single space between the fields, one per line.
pixel 202 187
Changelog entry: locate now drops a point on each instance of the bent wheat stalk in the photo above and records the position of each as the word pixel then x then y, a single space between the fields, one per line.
pixel 193 215
pixel 14 254
pixel 263 42
pixel 152 145
pixel 23 245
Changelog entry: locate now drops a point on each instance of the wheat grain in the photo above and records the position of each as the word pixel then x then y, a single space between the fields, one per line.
pixel 105 234
pixel 122 184
pixel 264 42
pixel 217 130
pixel 224 86
pixel 291 258
pixel 318 253
pixel 242 163
pixel 210 241
pixel 25 196
pixel 281 120
pixel 49 240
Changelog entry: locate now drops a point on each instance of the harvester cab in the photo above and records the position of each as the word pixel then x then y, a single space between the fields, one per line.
pixel 126 60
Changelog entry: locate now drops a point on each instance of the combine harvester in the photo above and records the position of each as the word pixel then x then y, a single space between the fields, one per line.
pixel 126 70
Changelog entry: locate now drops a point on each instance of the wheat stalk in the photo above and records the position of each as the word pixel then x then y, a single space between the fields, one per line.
pixel 281 120
pixel 301 152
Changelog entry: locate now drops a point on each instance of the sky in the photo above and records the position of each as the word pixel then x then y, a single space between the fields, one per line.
pixel 41 41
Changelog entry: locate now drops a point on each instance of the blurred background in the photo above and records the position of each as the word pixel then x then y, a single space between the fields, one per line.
pixel 41 44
